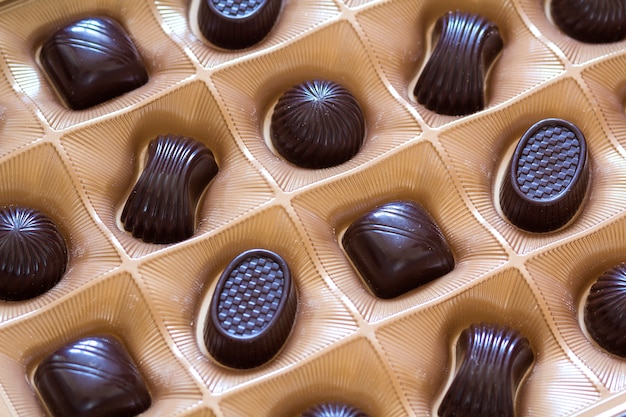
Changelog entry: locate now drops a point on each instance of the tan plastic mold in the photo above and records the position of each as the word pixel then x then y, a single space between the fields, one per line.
pixel 387 357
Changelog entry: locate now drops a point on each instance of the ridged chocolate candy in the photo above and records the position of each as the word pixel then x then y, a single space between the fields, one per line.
pixel 317 124
pixel 333 409
pixel 547 178
pixel 494 360
pixel 92 377
pixel 453 80
pixel 91 61
pixel 396 248
pixel 237 24
pixel 252 310
pixel 33 254
pixel 598 21
pixel 162 206
pixel 605 311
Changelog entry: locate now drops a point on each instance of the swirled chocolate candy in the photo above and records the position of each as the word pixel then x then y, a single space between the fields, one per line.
pixel 317 124
pixel 237 24
pixel 453 80
pixel 91 61
pixel 92 377
pixel 396 248
pixel 547 178
pixel 333 409
pixel 162 206
pixel 33 254
pixel 494 359
pixel 591 21
pixel 605 310
pixel 252 310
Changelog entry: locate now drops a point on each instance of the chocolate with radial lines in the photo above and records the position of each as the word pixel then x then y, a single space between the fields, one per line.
pixel 453 80
pixel 396 248
pixel 237 24
pixel 317 124
pixel 92 377
pixel 162 206
pixel 591 21
pixel 91 61
pixel 33 253
pixel 333 409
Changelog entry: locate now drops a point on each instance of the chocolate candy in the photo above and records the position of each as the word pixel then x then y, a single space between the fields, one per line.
pixel 237 24
pixel 494 360
pixel 252 310
pixel 591 21
pixel 396 248
pixel 453 80
pixel 92 377
pixel 162 206
pixel 333 409
pixel 605 310
pixel 546 180
pixel 33 254
pixel 317 124
pixel 91 61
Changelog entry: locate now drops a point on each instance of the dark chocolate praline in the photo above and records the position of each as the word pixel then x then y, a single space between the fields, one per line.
pixel 333 409
pixel 601 21
pixel 396 248
pixel 33 253
pixel 317 124
pixel 91 61
pixel 92 377
pixel 605 311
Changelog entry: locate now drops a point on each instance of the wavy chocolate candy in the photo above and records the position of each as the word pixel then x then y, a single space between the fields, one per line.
pixel 237 24
pixel 452 82
pixel 333 409
pixel 92 377
pixel 252 310
pixel 601 21
pixel 317 124
pixel 547 178
pixel 494 359
pixel 91 61
pixel 33 254
pixel 162 206
pixel 605 310
pixel 396 248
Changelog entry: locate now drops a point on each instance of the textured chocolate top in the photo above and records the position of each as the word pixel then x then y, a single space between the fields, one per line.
pixel 494 360
pixel 333 409
pixel 547 178
pixel 92 377
pixel 91 61
pixel 600 21
pixel 397 247
pixel 317 124
pixel 237 24
pixel 252 310
pixel 162 206
pixel 605 310
pixel 33 254
pixel 453 80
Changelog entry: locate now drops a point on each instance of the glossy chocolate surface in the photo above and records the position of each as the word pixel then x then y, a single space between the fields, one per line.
pixel 317 124
pixel 92 377
pixel 605 310
pixel 494 360
pixel 333 409
pixel 252 310
pixel 162 206
pixel 237 24
pixel 547 178
pixel 453 80
pixel 91 61
pixel 396 248
pixel 33 253
pixel 591 21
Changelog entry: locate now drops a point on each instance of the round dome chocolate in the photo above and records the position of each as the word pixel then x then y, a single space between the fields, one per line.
pixel 333 409
pixel 317 124
pixel 605 310
pixel 33 255
pixel 591 21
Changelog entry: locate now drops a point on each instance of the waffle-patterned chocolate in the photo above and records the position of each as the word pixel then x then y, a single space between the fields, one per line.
pixel 286 207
